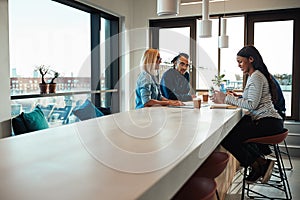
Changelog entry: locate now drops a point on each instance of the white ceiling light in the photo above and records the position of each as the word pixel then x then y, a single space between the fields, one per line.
pixel 167 7
pixel 205 23
pixel 223 38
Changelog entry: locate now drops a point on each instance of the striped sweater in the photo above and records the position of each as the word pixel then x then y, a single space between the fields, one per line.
pixel 256 97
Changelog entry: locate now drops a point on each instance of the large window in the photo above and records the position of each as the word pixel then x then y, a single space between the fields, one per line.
pixel 211 60
pixel 207 57
pixel 78 42
pixel 280 50
pixel 228 63
pixel 173 36
pixel 50 34
pixel 265 33
pixel 168 50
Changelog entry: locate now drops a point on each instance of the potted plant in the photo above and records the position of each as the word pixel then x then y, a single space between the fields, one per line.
pixel 52 85
pixel 220 82
pixel 43 85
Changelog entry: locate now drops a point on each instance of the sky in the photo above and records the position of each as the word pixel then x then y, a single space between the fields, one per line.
pixel 274 40
pixel 52 34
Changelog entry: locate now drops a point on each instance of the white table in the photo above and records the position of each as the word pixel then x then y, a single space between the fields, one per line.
pixel 140 154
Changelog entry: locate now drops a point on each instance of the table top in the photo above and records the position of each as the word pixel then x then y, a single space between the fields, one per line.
pixel 140 154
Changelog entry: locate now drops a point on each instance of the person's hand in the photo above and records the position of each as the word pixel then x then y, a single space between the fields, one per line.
pixel 193 96
pixel 218 97
pixel 229 92
pixel 175 103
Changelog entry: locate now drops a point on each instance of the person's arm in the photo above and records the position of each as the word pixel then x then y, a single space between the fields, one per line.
pixel 153 102
pixel 164 102
pixel 254 89
pixel 234 94
pixel 145 90
pixel 167 84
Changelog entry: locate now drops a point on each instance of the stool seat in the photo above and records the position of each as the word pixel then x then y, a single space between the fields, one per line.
pixel 273 139
pixel 197 188
pixel 213 166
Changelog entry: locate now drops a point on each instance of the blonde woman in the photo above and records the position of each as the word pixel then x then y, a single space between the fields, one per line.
pixel 147 89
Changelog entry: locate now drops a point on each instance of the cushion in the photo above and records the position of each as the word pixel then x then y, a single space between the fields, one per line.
pixel 18 125
pixel 35 120
pixel 105 111
pixel 28 122
pixel 87 111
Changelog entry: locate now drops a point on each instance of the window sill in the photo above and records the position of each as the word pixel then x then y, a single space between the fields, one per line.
pixel 26 96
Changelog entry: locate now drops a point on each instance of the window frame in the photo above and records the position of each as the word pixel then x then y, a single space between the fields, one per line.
pixel 190 22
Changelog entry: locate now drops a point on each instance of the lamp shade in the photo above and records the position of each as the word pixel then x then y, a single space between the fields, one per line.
pixel 223 41
pixel 205 23
pixel 223 38
pixel 205 28
pixel 167 7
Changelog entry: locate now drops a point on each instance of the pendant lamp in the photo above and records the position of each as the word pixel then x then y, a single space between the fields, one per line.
pixel 205 23
pixel 223 38
pixel 167 7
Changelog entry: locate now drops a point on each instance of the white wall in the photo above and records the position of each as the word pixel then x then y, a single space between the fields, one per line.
pixel 4 72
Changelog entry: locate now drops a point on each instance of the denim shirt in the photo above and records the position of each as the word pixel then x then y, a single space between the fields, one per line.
pixel 146 89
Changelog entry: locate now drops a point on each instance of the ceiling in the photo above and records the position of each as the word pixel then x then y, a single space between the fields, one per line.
pixel 190 2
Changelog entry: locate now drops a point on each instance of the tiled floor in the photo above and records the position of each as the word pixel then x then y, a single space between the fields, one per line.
pixel 293 178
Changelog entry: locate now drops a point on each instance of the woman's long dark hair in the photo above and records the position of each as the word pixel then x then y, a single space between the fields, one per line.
pixel 258 63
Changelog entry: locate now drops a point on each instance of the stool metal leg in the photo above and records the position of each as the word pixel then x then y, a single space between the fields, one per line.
pixel 217 195
pixel 281 183
pixel 288 155
pixel 282 173
pixel 244 183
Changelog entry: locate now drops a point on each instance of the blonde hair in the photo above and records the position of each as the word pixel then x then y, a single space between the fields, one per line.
pixel 149 60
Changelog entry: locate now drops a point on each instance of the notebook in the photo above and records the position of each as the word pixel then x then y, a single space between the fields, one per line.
pixel 222 106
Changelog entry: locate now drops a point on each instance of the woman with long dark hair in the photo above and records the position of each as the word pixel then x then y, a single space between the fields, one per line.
pixel 262 118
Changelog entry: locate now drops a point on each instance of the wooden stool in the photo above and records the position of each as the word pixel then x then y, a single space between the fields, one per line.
pixel 197 188
pixel 282 182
